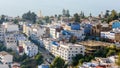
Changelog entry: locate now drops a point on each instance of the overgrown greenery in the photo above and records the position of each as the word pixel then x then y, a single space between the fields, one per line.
pixel 110 17
pixel 32 62
pixel 103 52
pixel 79 59
pixel 66 13
pixel 118 61
pixel 76 17
pixel 39 59
pixel 31 16
pixel 58 63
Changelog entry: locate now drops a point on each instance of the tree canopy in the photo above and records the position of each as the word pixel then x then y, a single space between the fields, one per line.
pixel 118 60
pixel 114 15
pixel 39 59
pixel 31 16
pixel 66 13
pixel 76 17
pixel 58 63
pixel 111 16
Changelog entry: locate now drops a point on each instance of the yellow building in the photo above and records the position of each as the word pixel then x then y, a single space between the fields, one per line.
pixel 26 30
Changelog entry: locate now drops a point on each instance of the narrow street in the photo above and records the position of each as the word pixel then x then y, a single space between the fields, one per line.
pixel 46 56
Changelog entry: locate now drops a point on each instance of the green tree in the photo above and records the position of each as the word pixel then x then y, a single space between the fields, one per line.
pixel 82 15
pixel 31 16
pixel 2 19
pixel 29 63
pixel 67 13
pixel 76 17
pixel 114 15
pixel 15 21
pixel 81 61
pixel 107 14
pixel 101 52
pixel 108 19
pixel 90 15
pixel 75 60
pixel 59 17
pixel 118 61
pixel 56 16
pixel 39 59
pixel 58 63
pixel 111 52
pixel 47 19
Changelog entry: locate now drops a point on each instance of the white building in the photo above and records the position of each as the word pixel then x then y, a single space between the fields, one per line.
pixel 54 31
pixel 6 58
pixel 4 66
pixel 10 41
pixel 12 28
pixel 46 42
pixel 78 33
pixel 66 50
pixel 75 30
pixel 30 49
pixel 38 30
pixel 108 35
pixel 26 29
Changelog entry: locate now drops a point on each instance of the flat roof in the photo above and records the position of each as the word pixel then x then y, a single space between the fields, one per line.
pixel 94 43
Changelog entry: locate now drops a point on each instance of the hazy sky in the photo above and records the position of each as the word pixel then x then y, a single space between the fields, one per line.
pixel 51 7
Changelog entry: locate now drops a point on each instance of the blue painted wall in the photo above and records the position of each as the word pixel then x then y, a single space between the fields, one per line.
pixel 87 28
pixel 75 26
pixel 116 25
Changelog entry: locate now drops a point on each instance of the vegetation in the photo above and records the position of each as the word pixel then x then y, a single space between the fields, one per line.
pixel 76 17
pixel 2 48
pixel 79 59
pixel 66 13
pixel 31 62
pixel 39 59
pixel 103 52
pixel 3 19
pixel 30 16
pixel 47 19
pixel 82 15
pixel 28 63
pixel 107 14
pixel 58 63
pixel 118 61
pixel 15 21
pixel 110 17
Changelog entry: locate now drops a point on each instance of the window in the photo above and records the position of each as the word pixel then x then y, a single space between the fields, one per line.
pixel 76 48
pixel 81 48
pixel 70 48
pixel 69 58
pixel 81 51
